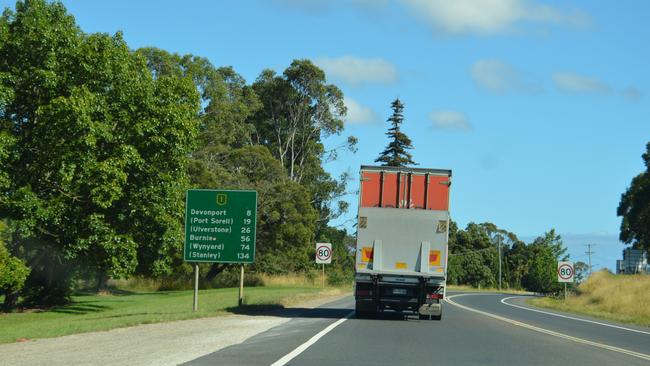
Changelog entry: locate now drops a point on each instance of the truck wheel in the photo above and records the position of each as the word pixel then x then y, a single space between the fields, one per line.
pixel 437 317
pixel 362 313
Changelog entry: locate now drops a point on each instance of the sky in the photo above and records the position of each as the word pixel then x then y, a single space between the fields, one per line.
pixel 540 108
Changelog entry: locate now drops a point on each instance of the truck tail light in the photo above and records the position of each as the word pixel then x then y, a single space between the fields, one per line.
pixel 361 292
pixel 434 296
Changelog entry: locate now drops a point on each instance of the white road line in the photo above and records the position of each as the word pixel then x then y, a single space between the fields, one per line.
pixel 503 301
pixel 300 349
pixel 550 332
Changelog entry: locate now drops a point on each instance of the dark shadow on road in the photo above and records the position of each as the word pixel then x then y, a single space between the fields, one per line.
pixel 315 313
pixel 281 311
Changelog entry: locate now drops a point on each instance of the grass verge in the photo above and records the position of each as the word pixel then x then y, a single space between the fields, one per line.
pixel 622 298
pixel 125 308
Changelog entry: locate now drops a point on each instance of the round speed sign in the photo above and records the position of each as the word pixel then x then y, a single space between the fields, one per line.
pixel 565 272
pixel 323 252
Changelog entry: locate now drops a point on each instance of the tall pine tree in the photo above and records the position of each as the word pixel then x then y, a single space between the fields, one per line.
pixel 396 153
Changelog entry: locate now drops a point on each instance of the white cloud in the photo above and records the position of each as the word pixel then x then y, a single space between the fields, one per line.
pixel 575 83
pixel 499 77
pixel 450 120
pixel 358 113
pixel 488 16
pixel 631 93
pixel 357 71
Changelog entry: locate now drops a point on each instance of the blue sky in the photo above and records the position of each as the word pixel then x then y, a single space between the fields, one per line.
pixel 539 107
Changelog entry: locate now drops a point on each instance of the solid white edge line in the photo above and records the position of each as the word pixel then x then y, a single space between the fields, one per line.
pixel 300 349
pixel 503 301
pixel 550 332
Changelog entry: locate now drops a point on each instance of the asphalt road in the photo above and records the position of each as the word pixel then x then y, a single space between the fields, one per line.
pixel 476 329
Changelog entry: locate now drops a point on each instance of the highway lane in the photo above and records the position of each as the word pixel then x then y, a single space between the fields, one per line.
pixel 624 336
pixel 463 337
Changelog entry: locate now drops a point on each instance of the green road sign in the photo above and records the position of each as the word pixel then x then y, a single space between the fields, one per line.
pixel 220 226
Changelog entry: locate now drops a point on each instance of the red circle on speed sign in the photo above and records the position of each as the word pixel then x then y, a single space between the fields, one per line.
pixel 323 253
pixel 565 271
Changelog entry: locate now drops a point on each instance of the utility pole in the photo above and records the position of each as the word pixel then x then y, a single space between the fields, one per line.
pixel 589 252
pixel 499 241
pixel 499 251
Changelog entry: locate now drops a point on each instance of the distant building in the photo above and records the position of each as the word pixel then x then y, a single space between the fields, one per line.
pixel 634 261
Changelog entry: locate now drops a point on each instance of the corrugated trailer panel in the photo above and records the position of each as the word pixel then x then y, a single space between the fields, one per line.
pixel 417 191
pixel 370 182
pixel 390 189
pixel 438 193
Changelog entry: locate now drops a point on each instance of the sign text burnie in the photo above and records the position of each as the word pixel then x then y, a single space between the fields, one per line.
pixel 220 226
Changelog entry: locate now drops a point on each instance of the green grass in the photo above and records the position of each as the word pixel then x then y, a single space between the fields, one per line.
pixel 102 312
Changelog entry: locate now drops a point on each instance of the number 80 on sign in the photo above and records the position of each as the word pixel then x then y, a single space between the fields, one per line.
pixel 565 271
pixel 324 253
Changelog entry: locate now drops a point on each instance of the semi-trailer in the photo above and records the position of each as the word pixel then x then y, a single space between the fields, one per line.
pixel 402 235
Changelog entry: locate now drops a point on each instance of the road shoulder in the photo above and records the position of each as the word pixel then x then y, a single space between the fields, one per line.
pixel 168 343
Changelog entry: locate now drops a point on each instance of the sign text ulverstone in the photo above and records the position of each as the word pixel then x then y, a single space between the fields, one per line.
pixel 220 226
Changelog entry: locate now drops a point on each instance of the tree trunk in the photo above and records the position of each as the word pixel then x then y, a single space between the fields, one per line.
pixel 102 280
pixel 10 301
pixel 215 269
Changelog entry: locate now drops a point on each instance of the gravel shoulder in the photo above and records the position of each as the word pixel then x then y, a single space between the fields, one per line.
pixel 169 343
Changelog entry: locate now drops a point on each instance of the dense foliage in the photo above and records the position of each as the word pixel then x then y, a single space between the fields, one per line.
pixel 634 208
pixel 98 143
pixel 474 258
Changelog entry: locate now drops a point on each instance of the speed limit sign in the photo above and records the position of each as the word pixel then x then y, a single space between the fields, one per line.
pixel 565 271
pixel 324 253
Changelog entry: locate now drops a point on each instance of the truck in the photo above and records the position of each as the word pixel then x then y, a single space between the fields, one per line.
pixel 402 235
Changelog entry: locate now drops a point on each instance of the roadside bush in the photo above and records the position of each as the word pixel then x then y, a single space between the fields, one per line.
pixel 13 274
pixel 230 278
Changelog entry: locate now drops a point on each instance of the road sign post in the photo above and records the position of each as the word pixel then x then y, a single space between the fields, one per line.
pixel 323 256
pixel 219 228
pixel 195 305
pixel 241 285
pixel 565 273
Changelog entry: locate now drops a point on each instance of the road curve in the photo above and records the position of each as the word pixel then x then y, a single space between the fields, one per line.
pixel 477 329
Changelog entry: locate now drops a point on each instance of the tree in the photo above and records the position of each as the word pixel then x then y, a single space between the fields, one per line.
pixel 544 253
pixel 396 153
pixel 634 208
pixel 97 166
pixel 13 273
pixel 581 271
pixel 299 109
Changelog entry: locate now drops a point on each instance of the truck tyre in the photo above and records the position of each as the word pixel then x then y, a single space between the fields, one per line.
pixel 362 313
